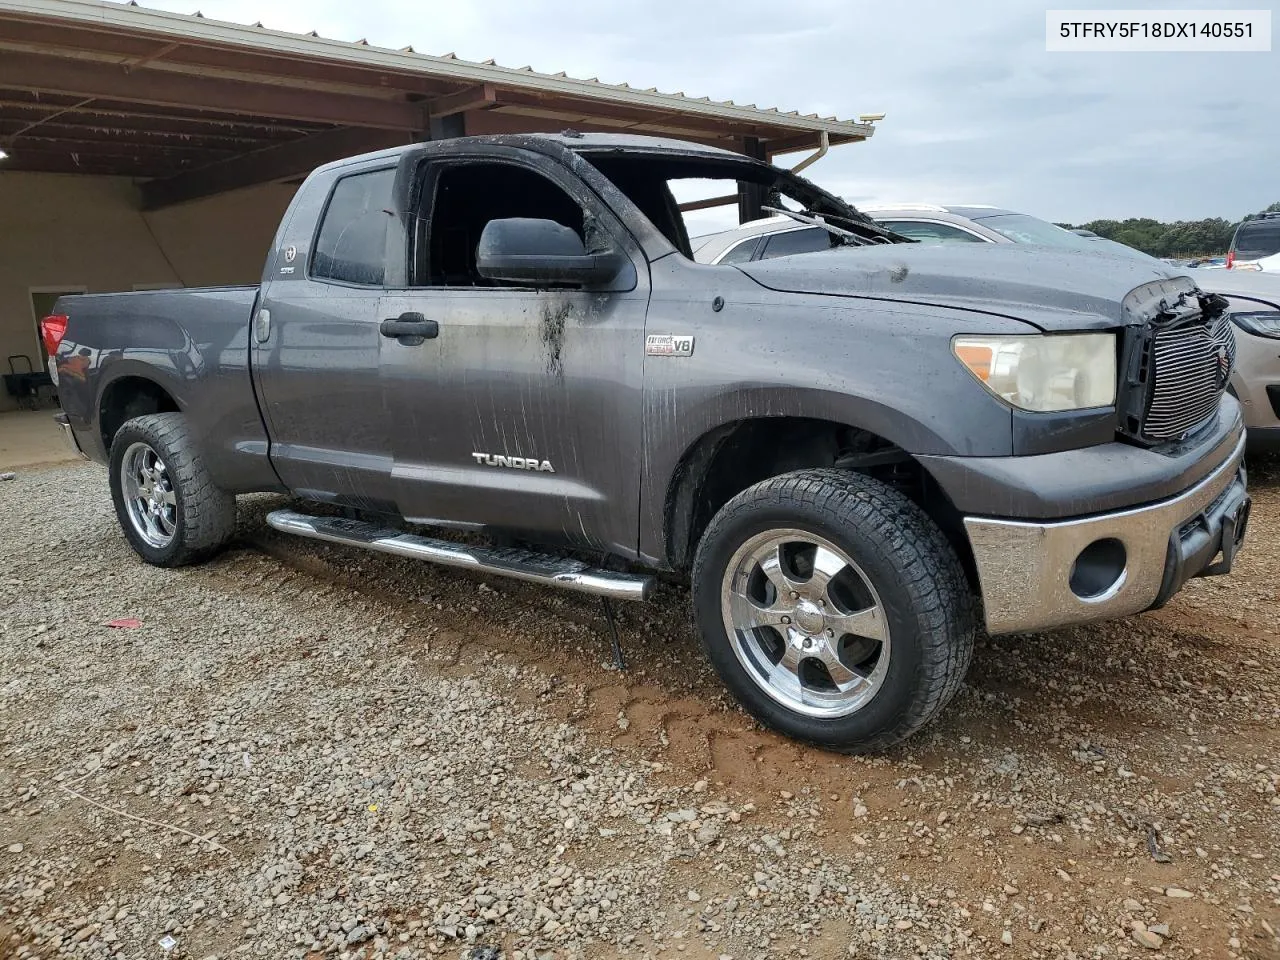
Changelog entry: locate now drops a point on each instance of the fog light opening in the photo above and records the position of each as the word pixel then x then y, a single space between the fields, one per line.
pixel 1098 569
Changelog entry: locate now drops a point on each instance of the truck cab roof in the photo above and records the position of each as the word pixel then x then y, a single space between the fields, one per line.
pixel 556 143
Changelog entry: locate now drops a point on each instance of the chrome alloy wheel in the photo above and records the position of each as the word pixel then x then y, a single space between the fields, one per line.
pixel 805 623
pixel 149 497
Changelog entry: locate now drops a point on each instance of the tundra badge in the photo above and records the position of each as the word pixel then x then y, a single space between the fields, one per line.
pixel 668 345
pixel 513 463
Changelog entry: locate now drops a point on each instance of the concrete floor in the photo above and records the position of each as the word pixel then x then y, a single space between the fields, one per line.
pixel 30 437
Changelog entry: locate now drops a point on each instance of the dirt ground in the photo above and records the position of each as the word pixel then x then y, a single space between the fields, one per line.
pixel 30 437
pixel 1101 791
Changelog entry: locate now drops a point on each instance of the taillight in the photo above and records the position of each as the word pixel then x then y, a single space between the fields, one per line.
pixel 52 329
pixel 1231 259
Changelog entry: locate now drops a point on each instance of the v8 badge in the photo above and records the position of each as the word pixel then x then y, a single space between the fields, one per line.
pixel 668 345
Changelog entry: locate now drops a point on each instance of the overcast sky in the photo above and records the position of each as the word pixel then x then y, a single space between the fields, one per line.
pixel 976 110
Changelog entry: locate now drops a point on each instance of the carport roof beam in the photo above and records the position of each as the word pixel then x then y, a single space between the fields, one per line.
pixel 201 32
pixel 78 73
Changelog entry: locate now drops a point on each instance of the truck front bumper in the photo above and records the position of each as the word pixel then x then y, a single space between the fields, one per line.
pixel 1037 575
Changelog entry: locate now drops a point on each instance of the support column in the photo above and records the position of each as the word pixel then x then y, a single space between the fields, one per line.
pixel 443 128
pixel 751 195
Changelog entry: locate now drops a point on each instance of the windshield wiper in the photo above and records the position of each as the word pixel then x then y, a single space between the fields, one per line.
pixel 816 221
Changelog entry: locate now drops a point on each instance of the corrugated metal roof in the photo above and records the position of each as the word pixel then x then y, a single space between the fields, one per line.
pixel 197 106
pixel 196 27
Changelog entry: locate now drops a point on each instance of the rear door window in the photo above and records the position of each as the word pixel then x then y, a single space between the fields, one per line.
pixel 741 252
pixel 930 232
pixel 808 240
pixel 1256 239
pixel 351 246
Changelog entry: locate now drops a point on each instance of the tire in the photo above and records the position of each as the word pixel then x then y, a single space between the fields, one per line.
pixel 167 505
pixel 877 565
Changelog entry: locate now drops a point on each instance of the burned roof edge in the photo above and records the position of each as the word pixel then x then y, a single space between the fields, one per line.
pixel 554 143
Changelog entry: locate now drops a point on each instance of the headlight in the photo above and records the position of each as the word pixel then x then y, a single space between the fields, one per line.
pixel 1072 371
pixel 1261 323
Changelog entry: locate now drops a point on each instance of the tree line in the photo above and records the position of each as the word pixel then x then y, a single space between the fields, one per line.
pixel 1182 238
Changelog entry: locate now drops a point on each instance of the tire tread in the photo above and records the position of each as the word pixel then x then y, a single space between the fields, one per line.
pixel 208 513
pixel 933 578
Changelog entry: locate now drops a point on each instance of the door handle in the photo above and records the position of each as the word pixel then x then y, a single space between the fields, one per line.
pixel 410 328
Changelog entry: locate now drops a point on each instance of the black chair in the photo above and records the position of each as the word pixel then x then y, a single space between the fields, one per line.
pixel 25 385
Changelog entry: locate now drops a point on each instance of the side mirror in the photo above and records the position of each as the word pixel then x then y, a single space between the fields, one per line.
pixel 542 253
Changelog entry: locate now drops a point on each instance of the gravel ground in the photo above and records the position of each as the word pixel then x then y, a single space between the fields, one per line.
pixel 378 758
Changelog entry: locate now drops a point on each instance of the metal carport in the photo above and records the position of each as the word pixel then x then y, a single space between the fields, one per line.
pixel 136 138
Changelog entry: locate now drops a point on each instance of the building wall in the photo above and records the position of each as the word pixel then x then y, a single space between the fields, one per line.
pixel 61 230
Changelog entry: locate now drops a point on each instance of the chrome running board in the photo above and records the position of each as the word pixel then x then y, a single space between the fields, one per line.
pixel 504 562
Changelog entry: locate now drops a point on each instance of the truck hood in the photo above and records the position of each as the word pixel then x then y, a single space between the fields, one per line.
pixel 1050 288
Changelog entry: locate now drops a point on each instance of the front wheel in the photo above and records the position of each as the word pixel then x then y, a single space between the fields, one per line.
pixel 833 608
pixel 168 507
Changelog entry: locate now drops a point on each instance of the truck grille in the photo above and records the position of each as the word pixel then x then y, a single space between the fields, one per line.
pixel 1190 365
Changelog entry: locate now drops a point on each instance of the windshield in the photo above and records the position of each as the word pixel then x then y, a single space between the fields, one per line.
pixel 1021 228
pixel 1257 239
pixel 676 192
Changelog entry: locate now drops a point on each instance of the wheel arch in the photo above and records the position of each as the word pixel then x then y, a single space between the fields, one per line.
pixel 132 393
pixel 730 457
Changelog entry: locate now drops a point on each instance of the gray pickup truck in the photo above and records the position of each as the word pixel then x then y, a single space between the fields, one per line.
pixel 848 452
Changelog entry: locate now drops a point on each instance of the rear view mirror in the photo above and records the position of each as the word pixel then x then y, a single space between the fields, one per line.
pixel 542 253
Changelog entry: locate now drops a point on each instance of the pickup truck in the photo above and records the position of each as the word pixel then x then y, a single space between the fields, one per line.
pixel 854 455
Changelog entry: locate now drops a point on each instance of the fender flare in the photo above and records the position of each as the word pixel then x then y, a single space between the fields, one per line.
pixel 718 416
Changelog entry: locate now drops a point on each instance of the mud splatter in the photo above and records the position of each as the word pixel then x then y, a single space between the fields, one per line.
pixel 553 323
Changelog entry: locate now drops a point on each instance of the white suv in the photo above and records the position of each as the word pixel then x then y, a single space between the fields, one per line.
pixel 1256 244
pixel 928 223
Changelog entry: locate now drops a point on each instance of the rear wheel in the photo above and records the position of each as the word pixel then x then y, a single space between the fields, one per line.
pixel 167 505
pixel 833 608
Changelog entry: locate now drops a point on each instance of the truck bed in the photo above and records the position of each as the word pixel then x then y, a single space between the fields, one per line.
pixel 194 344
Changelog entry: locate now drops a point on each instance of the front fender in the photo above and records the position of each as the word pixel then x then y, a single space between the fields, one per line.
pixel 915 431
pixel 885 368
pixel 680 445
